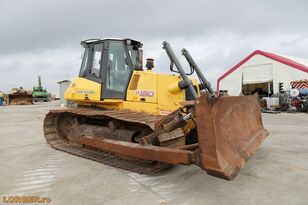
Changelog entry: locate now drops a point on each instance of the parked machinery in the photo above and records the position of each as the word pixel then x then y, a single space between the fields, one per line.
pixel 20 96
pixel 144 121
pixel 39 93
pixel 299 96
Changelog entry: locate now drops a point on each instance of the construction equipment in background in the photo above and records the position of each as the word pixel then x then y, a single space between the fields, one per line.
pixel 144 121
pixel 20 96
pixel 298 97
pixel 288 100
pixel 39 93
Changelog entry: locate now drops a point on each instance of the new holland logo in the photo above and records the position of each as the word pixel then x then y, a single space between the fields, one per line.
pixel 145 93
pixel 85 91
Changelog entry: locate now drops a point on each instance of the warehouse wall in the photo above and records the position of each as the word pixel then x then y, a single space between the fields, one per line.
pixel 286 74
pixel 281 73
pixel 232 83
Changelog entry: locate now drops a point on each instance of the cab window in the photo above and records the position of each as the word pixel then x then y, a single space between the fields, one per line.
pixel 118 70
pixel 84 63
pixel 133 55
pixel 96 60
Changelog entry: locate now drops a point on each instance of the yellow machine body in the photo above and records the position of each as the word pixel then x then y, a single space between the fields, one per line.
pixel 151 119
pixel 147 91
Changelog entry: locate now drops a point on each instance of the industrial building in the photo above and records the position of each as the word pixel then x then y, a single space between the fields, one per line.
pixel 262 72
pixel 63 85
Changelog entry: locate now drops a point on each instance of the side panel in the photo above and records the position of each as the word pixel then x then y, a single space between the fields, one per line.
pixel 147 92
pixel 143 87
pixel 82 89
pixel 168 101
pixel 153 93
pixel 141 107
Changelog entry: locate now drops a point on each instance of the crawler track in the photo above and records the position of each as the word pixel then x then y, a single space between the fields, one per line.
pixel 55 138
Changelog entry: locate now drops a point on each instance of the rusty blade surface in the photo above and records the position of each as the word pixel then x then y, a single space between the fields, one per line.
pixel 20 99
pixel 230 130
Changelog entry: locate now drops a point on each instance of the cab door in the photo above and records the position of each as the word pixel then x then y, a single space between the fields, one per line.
pixel 118 71
pixel 95 71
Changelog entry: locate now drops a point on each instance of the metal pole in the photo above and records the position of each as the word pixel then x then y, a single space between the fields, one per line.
pixel 193 64
pixel 39 81
pixel 178 65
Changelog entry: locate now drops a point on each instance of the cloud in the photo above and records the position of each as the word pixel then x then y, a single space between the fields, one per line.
pixel 42 37
pixel 22 69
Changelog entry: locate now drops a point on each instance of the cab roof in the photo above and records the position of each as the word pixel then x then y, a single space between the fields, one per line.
pixel 97 40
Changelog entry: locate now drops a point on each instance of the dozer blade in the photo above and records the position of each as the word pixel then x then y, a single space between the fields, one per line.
pixel 20 99
pixel 230 130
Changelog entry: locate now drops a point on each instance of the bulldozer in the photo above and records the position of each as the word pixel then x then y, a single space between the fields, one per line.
pixel 143 121
pixel 20 96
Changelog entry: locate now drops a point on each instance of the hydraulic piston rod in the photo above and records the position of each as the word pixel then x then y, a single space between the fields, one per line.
pixel 194 65
pixel 178 65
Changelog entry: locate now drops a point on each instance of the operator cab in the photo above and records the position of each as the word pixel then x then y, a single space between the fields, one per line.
pixel 111 62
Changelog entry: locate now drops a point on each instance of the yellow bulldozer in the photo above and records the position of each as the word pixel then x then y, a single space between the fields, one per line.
pixel 139 120
pixel 20 96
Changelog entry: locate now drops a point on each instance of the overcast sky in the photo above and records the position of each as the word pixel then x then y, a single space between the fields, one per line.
pixel 42 37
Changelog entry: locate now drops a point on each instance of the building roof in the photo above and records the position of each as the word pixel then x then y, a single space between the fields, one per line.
pixel 297 63
pixel 63 81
